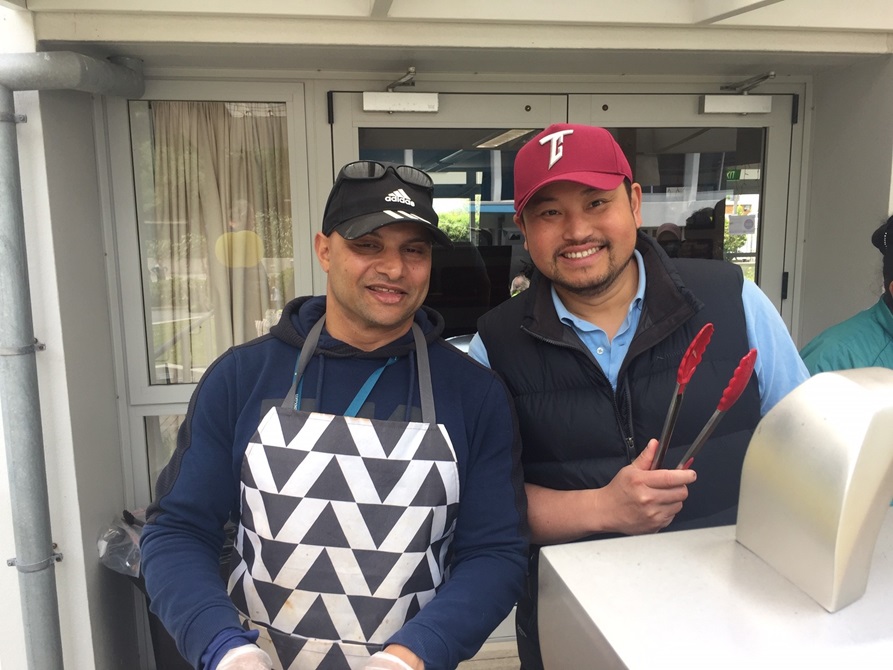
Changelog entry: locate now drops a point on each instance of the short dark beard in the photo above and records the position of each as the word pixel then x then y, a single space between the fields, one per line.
pixel 598 287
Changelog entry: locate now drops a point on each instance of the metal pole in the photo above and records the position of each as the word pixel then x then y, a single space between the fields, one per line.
pixel 35 557
pixel 70 71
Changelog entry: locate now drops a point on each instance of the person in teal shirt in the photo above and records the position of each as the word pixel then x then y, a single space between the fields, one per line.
pixel 866 339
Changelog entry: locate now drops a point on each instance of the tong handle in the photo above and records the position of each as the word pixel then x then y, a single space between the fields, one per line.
pixel 700 440
pixel 667 432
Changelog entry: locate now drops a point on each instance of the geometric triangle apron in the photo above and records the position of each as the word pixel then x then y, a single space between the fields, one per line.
pixel 346 526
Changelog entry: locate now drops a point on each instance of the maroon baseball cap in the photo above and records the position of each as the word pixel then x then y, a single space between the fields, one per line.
pixel 569 152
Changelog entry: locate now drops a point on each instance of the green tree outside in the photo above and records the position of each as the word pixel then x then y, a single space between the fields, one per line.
pixel 455 224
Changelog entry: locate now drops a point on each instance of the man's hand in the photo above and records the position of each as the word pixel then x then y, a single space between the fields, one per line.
pixel 246 657
pixel 640 500
pixel 395 657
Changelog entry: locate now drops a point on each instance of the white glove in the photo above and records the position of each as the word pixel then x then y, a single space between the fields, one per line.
pixel 246 657
pixel 385 661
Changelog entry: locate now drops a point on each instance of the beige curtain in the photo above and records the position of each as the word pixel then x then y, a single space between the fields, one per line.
pixel 221 235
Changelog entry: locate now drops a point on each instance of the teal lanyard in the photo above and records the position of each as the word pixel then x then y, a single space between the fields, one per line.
pixel 361 395
pixel 426 394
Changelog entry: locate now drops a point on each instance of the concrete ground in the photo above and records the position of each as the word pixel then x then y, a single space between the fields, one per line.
pixel 498 655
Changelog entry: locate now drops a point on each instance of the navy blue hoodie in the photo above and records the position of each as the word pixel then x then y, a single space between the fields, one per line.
pixel 198 491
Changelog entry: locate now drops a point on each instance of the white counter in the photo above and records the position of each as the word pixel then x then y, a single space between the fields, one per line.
pixel 698 599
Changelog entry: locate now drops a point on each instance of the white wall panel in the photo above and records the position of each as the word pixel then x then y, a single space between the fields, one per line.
pixel 851 178
pixel 869 15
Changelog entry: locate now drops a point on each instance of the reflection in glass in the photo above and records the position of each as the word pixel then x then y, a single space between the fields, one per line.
pixel 161 441
pixel 704 186
pixel 704 182
pixel 214 215
pixel 473 196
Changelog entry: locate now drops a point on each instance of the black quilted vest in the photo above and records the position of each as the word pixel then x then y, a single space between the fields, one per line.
pixel 577 432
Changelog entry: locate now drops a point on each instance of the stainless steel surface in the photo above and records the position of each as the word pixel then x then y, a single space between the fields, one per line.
pixel 817 482
pixel 699 599
pixel 461 342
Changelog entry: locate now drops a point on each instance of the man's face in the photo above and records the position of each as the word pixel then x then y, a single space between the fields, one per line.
pixel 579 237
pixel 376 282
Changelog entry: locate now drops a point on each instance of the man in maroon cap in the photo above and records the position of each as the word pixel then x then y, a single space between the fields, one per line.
pixel 591 350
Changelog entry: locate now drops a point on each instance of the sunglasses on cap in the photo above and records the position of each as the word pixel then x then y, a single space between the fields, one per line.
pixel 370 170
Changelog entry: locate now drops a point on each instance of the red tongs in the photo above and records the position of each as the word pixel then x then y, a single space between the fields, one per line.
pixel 687 366
pixel 729 397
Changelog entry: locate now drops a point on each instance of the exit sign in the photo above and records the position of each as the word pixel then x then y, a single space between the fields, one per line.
pixel 733 175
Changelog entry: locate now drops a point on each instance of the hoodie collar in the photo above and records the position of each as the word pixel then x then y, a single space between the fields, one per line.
pixel 299 315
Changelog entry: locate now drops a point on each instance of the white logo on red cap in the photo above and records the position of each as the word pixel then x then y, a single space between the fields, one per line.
pixel 556 149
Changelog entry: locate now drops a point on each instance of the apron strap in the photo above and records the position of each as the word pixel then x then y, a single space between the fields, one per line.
pixel 307 352
pixel 426 392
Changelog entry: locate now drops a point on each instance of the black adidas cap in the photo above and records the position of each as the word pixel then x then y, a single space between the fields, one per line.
pixel 368 195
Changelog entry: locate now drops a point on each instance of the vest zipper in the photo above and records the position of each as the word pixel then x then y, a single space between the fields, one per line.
pixel 625 432
pixel 630 449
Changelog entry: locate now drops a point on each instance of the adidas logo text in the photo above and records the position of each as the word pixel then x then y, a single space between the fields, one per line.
pixel 399 196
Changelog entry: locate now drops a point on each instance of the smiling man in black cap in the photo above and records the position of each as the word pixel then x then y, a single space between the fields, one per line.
pixel 372 469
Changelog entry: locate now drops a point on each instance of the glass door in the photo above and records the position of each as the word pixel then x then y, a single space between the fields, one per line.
pixel 212 232
pixel 715 185
pixel 468 148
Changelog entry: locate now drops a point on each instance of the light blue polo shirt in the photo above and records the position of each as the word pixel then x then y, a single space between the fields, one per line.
pixel 608 353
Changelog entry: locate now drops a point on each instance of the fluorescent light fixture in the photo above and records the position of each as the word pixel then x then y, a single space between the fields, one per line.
pixel 381 101
pixel 736 104
pixel 448 178
pixel 503 138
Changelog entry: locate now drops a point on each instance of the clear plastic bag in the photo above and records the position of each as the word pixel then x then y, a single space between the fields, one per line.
pixel 119 544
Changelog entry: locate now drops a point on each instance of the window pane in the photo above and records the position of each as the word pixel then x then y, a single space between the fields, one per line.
pixel 214 216
pixel 706 184
pixel 161 441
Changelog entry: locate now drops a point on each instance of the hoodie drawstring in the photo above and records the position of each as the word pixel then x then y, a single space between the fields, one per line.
pixel 412 381
pixel 319 378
